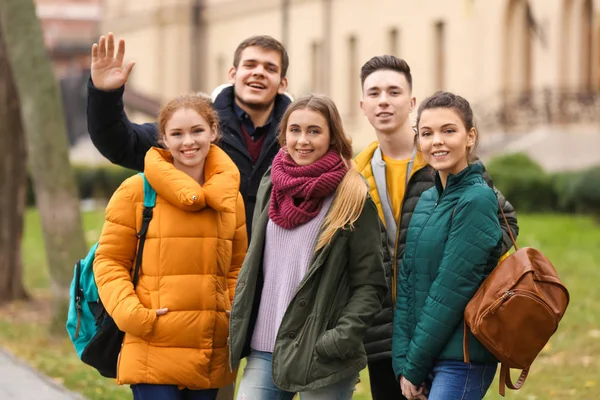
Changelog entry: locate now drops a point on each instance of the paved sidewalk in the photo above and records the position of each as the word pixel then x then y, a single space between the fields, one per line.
pixel 20 382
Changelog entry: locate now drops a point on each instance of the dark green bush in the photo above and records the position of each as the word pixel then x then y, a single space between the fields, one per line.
pixel 564 188
pixel 523 182
pixel 586 192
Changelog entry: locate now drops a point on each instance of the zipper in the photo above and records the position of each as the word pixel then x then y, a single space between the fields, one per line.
pixel 395 258
pixel 511 293
pixel 525 293
pixel 78 297
pixel 495 305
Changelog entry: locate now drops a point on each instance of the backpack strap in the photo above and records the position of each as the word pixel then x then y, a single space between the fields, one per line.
pixel 505 379
pixel 149 203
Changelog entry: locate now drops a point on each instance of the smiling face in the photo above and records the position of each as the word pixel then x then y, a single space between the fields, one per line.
pixel 257 78
pixel 444 140
pixel 188 137
pixel 307 136
pixel 387 101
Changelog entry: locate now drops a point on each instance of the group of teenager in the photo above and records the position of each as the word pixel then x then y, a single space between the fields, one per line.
pixel 269 242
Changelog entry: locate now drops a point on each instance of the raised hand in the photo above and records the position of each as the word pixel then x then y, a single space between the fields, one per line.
pixel 108 72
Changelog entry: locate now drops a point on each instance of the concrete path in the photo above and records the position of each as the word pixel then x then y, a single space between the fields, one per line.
pixel 20 382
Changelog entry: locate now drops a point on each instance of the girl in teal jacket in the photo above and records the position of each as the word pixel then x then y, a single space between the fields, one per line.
pixel 453 243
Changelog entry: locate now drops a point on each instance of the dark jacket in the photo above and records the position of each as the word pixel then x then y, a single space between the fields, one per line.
pixel 320 339
pixel 453 243
pixel 378 340
pixel 126 143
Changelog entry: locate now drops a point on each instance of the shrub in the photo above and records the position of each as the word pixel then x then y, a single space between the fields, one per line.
pixel 523 182
pixel 586 192
pixel 564 187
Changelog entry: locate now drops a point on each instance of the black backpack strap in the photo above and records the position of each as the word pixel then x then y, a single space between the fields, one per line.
pixel 149 203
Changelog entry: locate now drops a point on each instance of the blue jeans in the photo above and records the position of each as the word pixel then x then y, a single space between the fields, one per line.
pixel 257 383
pixel 455 380
pixel 145 391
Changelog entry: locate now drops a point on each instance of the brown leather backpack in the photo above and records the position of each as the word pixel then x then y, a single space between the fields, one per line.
pixel 516 311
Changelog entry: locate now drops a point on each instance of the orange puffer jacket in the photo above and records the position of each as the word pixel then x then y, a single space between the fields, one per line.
pixel 194 249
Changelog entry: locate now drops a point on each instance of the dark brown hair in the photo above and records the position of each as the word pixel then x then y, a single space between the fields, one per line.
pixel 458 104
pixel 385 62
pixel 199 103
pixel 267 43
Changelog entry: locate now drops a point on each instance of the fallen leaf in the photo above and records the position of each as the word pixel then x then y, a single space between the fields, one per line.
pixel 595 333
pixel 586 361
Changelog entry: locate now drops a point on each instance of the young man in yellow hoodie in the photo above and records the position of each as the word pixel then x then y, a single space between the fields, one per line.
pixel 397 176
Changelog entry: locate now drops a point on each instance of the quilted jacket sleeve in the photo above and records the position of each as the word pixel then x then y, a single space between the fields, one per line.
pixel 240 246
pixel 114 262
pixel 509 211
pixel 116 138
pixel 367 285
pixel 473 237
pixel 401 330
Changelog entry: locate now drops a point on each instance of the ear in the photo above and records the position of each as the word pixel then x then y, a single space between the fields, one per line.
pixel 471 138
pixel 231 75
pixel 413 103
pixel 213 133
pixel 362 108
pixel 282 86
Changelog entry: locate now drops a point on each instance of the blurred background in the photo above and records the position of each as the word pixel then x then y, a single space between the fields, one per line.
pixel 530 68
pixel 527 66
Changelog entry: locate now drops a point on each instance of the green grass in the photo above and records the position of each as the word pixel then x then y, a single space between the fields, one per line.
pixel 568 368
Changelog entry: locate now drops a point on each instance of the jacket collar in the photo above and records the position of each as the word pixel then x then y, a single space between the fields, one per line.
pixel 457 180
pixel 219 192
pixel 363 159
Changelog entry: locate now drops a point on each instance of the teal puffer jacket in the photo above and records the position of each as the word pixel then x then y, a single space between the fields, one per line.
pixel 453 244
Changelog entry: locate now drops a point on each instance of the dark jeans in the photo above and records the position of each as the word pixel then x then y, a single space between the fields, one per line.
pixel 384 385
pixel 144 391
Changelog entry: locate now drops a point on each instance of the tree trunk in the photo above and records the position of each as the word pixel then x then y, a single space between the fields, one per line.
pixel 13 175
pixel 46 137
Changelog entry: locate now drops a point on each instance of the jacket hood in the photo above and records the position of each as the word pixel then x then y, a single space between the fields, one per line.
pixel 219 192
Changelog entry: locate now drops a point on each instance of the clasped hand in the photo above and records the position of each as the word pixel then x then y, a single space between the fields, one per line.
pixel 411 391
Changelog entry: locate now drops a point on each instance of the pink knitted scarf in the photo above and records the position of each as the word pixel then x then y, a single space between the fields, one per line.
pixel 299 190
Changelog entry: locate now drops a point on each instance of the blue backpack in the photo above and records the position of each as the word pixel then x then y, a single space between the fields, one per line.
pixel 96 337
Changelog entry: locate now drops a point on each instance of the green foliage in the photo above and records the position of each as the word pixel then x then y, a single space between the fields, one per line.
pixel 586 192
pixel 530 189
pixel 564 187
pixel 93 182
pixel 523 182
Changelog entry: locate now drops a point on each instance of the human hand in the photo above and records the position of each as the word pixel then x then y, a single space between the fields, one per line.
pixel 107 69
pixel 411 391
pixel 161 311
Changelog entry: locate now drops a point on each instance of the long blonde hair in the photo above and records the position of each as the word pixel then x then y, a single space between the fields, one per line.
pixel 351 193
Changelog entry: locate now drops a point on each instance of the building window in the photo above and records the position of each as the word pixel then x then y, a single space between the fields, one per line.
pixel 394 42
pixel 440 55
pixel 353 75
